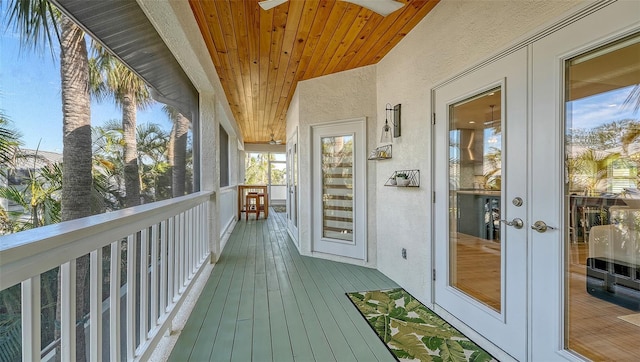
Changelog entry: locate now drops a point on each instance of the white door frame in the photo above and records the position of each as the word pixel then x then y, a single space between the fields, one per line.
pixel 358 248
pixel 292 187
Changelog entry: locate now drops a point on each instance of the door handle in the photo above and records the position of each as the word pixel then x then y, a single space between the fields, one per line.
pixel 540 226
pixel 516 223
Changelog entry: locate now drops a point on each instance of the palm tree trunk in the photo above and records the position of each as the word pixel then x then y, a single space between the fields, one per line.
pixel 76 113
pixel 77 179
pixel 131 173
pixel 34 217
pixel 180 155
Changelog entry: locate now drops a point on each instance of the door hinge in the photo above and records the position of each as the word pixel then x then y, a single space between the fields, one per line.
pixel 433 118
pixel 433 197
pixel 433 274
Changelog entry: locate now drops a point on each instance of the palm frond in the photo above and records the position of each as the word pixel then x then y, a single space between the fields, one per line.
pixel 111 77
pixel 633 99
pixel 36 22
pixel 9 140
pixel 14 195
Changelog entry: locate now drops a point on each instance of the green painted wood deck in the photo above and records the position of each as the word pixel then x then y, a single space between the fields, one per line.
pixel 265 302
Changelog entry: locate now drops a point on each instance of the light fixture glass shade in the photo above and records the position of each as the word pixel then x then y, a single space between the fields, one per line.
pixel 386 137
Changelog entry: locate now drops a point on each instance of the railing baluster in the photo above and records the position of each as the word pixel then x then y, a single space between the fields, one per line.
pixel 173 268
pixel 144 284
pixel 169 262
pixel 164 227
pixel 114 300
pixel 201 228
pixel 206 227
pixel 180 241
pixel 198 232
pixel 187 246
pixel 131 296
pixel 190 243
pixel 205 232
pixel 68 311
pixel 185 268
pixel 30 290
pixel 154 276
pixel 194 239
pixel 95 321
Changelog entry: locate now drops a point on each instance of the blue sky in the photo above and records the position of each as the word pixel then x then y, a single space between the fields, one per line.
pixel 30 95
pixel 591 112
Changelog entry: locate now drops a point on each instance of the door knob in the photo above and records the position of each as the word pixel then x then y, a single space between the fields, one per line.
pixel 541 226
pixel 516 223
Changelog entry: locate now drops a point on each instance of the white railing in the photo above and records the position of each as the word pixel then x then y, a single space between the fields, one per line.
pixel 228 208
pixel 277 194
pixel 171 237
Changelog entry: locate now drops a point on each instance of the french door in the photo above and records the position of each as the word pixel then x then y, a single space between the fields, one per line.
pixel 481 180
pixel 536 172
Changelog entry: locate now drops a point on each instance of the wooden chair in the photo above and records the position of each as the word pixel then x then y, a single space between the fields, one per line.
pixel 263 204
pixel 253 204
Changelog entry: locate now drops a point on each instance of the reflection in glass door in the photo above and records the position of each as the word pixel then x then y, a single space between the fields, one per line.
pixel 475 172
pixel 602 202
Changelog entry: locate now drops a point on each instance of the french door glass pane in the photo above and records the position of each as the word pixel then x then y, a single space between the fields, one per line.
pixel 602 206
pixel 337 187
pixel 475 172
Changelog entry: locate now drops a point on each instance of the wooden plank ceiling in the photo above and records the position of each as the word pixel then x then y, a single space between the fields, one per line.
pixel 260 55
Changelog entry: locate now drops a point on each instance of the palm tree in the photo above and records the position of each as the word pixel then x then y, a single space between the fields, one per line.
pixel 256 166
pixel 130 93
pixel 39 194
pixel 152 157
pixel 35 20
pixel 590 169
pixel 177 151
pixel 152 144
pixel 76 114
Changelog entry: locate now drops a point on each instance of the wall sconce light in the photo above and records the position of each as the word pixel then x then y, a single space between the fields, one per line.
pixel 394 114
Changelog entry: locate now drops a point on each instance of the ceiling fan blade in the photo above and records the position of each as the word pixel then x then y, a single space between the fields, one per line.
pixel 270 4
pixel 382 7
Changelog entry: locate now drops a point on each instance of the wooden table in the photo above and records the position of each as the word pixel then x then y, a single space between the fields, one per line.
pixel 242 193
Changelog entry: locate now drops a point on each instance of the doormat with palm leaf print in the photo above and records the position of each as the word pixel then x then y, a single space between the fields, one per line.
pixel 413 332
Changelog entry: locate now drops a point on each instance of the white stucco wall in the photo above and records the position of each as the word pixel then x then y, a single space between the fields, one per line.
pixel 453 37
pixel 293 115
pixel 345 95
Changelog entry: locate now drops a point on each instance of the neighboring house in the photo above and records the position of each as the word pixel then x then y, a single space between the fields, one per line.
pixel 28 161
